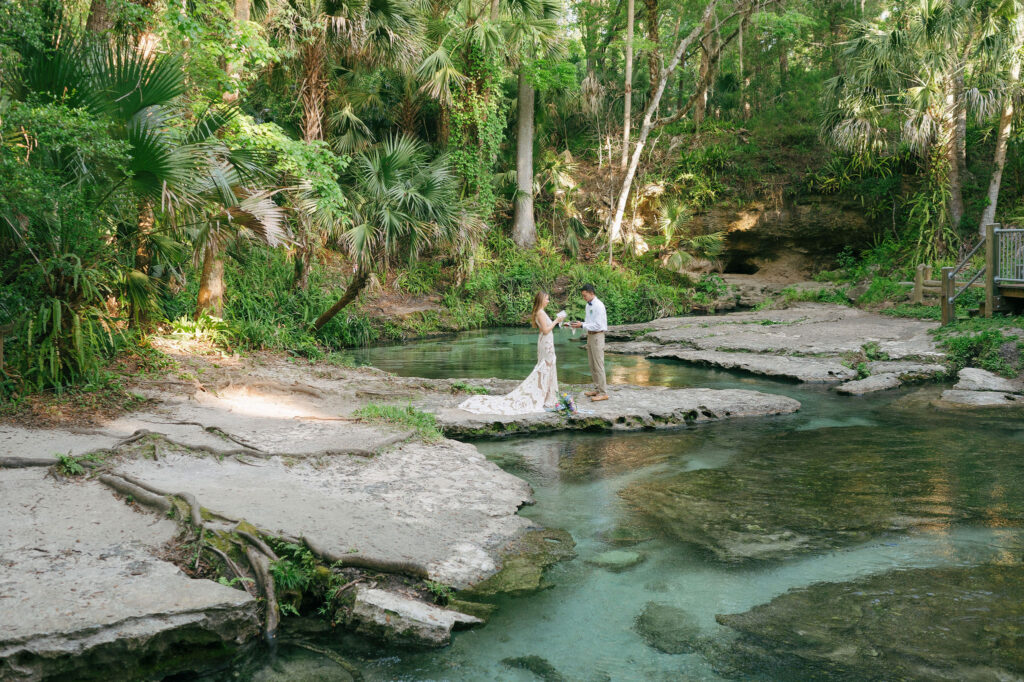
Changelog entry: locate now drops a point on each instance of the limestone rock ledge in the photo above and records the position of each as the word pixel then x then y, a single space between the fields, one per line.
pixel 629 408
pixel 83 594
pixel 398 619
pixel 981 388
pixel 810 343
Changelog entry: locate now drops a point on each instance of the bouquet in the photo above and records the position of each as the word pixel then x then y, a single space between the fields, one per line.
pixel 567 403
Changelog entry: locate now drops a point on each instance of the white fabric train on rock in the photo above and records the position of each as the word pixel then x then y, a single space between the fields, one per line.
pixel 537 392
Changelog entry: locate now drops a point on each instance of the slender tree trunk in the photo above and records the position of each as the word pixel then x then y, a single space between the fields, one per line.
pixel 211 284
pixel 304 254
pixel 99 17
pixel 494 10
pixel 524 231
pixel 988 216
pixel 628 92
pixel 615 228
pixel 744 104
pixel 351 292
pixel 950 153
pixel 654 56
pixel 706 45
pixel 961 124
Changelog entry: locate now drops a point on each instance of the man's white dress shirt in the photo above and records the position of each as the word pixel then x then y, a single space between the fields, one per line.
pixel 596 319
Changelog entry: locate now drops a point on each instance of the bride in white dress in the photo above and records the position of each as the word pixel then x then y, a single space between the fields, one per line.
pixel 540 389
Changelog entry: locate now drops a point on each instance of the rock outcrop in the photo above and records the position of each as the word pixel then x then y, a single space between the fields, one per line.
pixel 83 592
pixel 629 408
pixel 981 388
pixel 809 342
pixel 398 619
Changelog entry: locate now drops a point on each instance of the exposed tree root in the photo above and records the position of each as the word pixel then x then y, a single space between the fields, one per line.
pixel 230 563
pixel 25 462
pixel 257 543
pixel 139 494
pixel 261 567
pixel 327 653
pixel 408 568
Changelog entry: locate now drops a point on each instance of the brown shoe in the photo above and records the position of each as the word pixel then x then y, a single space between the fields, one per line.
pixel 599 398
pixel 590 394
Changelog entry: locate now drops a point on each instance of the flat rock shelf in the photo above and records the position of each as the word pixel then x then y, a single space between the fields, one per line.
pixel 83 592
pixel 809 343
pixel 629 408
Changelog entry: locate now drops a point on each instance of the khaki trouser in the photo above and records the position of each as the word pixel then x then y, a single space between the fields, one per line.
pixel 595 352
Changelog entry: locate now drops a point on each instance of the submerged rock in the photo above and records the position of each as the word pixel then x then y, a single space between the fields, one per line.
pixel 522 569
pixel 536 665
pixel 395 618
pixel 878 382
pixel 668 629
pixel 919 624
pixel 818 490
pixel 616 560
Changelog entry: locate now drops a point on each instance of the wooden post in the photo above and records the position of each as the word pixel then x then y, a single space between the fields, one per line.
pixel 917 298
pixel 990 269
pixel 947 286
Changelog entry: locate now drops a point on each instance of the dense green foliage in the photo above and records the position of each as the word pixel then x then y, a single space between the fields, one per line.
pixel 239 172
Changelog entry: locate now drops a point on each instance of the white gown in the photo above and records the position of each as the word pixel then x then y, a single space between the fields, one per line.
pixel 538 391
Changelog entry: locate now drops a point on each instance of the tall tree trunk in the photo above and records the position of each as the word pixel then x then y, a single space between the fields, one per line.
pixel 628 92
pixel 744 104
pixel 615 228
pixel 524 231
pixel 211 284
pixel 950 153
pixel 706 46
pixel 313 92
pixel 654 56
pixel 351 292
pixel 494 10
pixel 99 17
pixel 988 216
pixel 961 124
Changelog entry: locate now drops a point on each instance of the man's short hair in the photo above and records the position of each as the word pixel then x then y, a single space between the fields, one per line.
pixel 588 287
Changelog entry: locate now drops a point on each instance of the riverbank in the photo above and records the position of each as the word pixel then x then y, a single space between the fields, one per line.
pixel 240 468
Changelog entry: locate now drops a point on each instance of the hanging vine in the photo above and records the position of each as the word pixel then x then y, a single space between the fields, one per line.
pixel 477 127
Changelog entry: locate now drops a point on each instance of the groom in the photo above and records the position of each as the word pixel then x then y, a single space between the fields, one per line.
pixel 596 324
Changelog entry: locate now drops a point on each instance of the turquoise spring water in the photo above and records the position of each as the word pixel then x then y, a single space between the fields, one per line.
pixel 583 624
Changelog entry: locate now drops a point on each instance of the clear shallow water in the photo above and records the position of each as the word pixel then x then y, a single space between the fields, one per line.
pixel 583 624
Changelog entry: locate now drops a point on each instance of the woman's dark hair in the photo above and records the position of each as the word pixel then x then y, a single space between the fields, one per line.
pixel 588 287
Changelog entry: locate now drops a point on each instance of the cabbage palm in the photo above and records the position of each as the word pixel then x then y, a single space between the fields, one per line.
pixel 914 67
pixel 322 33
pixel 403 204
pixel 184 174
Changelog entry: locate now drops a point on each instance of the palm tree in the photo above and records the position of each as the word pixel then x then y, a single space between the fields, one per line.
pixel 914 67
pixel 174 171
pixel 322 33
pixel 532 24
pixel 403 204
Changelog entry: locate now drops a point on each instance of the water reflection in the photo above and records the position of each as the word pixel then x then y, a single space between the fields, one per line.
pixel 843 490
